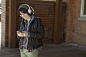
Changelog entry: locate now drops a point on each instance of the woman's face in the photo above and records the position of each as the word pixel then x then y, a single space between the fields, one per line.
pixel 24 15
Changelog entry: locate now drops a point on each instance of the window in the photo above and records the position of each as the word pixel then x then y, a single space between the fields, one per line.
pixel 0 1
pixel 83 8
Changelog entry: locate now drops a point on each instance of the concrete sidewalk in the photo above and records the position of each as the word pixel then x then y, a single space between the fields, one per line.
pixel 50 50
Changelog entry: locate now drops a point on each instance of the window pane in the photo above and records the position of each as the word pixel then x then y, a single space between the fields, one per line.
pixel 85 8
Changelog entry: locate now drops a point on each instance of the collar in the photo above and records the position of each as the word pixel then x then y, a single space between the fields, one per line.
pixel 32 18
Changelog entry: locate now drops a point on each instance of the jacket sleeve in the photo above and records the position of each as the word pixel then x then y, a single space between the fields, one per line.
pixel 40 28
pixel 21 28
pixel 18 37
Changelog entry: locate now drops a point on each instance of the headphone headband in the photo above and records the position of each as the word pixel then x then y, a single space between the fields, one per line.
pixel 29 8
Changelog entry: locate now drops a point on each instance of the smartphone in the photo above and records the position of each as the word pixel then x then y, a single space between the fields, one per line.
pixel 17 31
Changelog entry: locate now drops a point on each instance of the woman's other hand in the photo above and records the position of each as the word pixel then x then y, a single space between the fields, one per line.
pixel 20 34
pixel 25 33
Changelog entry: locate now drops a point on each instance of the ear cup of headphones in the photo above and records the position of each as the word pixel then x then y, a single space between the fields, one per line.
pixel 29 10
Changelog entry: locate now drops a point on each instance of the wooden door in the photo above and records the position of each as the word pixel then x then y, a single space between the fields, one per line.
pixel 44 10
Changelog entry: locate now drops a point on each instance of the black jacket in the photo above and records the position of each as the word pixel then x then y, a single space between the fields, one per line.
pixel 36 30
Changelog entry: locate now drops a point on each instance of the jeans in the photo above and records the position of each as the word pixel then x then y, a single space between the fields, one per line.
pixel 25 53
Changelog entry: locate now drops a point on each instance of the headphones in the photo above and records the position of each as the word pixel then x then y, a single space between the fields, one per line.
pixel 29 9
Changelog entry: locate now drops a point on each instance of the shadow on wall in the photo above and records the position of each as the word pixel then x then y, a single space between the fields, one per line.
pixel 63 23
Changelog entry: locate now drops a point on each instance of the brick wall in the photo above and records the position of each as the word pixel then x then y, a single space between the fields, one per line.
pixel 48 14
pixel 4 22
pixel 74 28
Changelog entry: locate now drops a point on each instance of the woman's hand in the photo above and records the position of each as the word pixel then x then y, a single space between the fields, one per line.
pixel 25 33
pixel 20 34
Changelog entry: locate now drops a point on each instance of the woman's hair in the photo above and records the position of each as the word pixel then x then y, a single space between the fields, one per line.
pixel 23 10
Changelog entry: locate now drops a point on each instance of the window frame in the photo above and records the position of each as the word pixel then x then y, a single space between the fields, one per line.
pixel 82 8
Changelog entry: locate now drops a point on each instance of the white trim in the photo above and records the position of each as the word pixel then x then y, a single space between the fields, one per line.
pixel 82 9
pixel 82 18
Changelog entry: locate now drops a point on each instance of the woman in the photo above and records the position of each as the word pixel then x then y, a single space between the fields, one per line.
pixel 31 32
